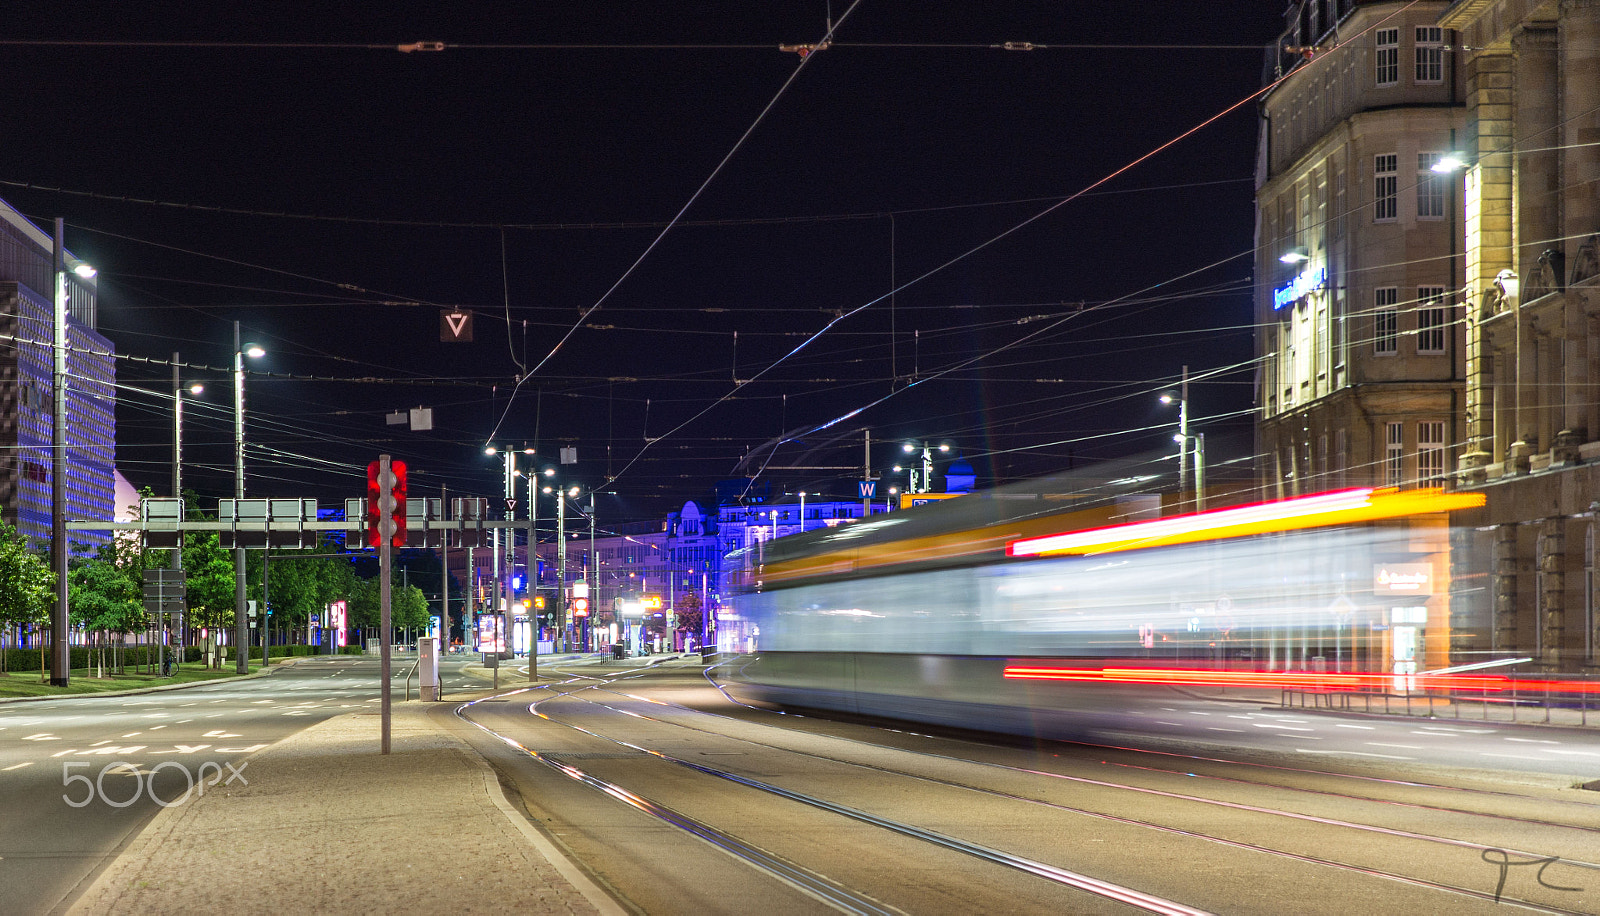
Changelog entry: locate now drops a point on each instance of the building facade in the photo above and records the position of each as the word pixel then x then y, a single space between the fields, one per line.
pixel 1531 212
pixel 1359 337
pixel 26 376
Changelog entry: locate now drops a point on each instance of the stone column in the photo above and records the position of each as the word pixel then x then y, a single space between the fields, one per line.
pixel 1487 212
pixel 1552 557
pixel 1505 589
pixel 1579 37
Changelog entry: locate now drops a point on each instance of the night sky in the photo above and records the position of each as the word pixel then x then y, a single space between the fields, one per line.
pixel 333 194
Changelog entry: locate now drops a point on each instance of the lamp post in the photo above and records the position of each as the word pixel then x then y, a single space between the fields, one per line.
pixel 177 474
pixel 562 493
pixel 1182 436
pixel 922 478
pixel 60 647
pixel 241 624
pixel 504 587
pixel 533 571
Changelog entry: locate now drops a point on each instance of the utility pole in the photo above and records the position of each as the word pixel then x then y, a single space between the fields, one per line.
pixel 533 574
pixel 561 566
pixel 866 475
pixel 176 562
pixel 592 569
pixel 385 539
pixel 241 625
pixel 1183 438
pixel 444 582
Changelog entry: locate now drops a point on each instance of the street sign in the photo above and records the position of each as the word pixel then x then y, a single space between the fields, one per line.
pixel 455 326
pixel 867 488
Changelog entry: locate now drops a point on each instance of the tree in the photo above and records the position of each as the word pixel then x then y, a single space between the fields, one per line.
pixel 408 606
pixel 106 597
pixel 27 585
pixel 689 613
pixel 208 573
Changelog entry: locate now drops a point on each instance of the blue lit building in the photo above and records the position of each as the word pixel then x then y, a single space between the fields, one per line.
pixel 26 334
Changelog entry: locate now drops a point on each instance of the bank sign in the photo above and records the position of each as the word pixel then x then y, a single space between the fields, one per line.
pixel 1309 281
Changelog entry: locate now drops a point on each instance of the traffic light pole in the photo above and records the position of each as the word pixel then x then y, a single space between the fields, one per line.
pixel 385 541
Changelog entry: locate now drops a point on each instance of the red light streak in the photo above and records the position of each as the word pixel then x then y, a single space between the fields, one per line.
pixel 1304 680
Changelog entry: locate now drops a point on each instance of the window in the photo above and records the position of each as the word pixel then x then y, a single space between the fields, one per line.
pixel 1393 454
pixel 1340 461
pixel 1430 187
pixel 1385 187
pixel 1431 316
pixel 1385 321
pixel 1388 56
pixel 1430 452
pixel 1430 54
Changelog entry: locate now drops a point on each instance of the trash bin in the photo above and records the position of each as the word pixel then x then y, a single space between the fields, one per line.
pixel 618 650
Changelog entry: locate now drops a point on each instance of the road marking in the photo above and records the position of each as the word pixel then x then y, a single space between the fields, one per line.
pixel 1409 747
pixel 1531 741
pixel 1291 728
pixel 1362 727
pixel 1514 757
pixel 1435 735
pixel 1237 731
pixel 18 766
pixel 219 733
pixel 159 727
pixel 1577 753
pixel 42 736
pixel 131 734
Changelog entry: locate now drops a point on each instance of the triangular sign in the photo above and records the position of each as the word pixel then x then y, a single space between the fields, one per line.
pixel 511 505
pixel 455 326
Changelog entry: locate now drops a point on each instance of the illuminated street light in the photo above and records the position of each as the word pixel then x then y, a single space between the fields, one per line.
pixel 241 621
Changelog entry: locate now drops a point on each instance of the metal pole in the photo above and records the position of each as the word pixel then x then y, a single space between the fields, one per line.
pixel 1200 472
pixel 507 589
pixel 60 650
pixel 176 561
pixel 385 536
pixel 241 631
pixel 1183 439
pixel 264 619
pixel 593 567
pixel 533 574
pixel 561 566
pixel 444 584
pixel 866 474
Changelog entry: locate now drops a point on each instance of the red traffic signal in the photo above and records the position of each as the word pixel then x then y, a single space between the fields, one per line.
pixel 396 486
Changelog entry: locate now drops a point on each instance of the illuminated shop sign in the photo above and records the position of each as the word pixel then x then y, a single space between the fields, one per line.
pixel 1403 578
pixel 1309 281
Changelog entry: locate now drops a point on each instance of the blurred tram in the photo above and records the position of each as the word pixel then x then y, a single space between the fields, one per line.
pixel 1030 611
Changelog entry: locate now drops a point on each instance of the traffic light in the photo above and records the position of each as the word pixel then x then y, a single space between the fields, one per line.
pixel 397 512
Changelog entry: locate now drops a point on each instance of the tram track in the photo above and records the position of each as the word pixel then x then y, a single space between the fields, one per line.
pixel 1480 848
pixel 610 685
pixel 806 880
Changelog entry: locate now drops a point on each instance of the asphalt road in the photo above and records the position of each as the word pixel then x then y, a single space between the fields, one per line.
pixel 53 754
pixel 679 800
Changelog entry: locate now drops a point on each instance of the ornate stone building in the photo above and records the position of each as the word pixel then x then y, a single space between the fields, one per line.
pixel 1359 338
pixel 1532 274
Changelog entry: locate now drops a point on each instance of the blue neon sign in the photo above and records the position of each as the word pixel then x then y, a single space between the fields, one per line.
pixel 1309 281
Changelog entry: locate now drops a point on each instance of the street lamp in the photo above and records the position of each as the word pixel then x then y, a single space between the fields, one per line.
pixel 502 578
pixel 241 624
pixel 1181 437
pixel 922 479
pixel 178 389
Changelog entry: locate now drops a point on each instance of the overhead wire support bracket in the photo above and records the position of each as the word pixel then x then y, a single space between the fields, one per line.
pixel 420 46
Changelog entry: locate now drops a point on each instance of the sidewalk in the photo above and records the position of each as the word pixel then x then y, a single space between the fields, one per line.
pixel 328 825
